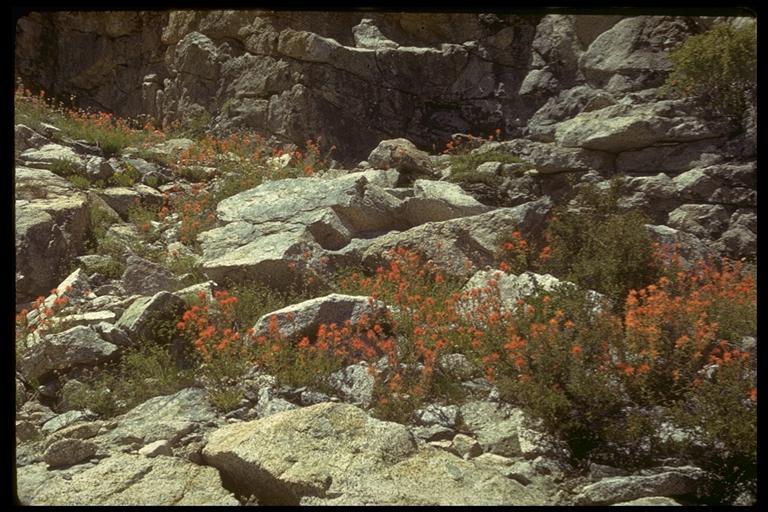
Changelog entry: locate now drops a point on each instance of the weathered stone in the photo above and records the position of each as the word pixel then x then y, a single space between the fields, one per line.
pixel 706 221
pixel 26 138
pixel 739 242
pixel 449 244
pixel 50 155
pixel 568 104
pixel 85 430
pixel 436 201
pixel 78 346
pixel 466 447
pixel 625 127
pixel 457 366
pixel 169 417
pixel 159 447
pixel 146 316
pixel 124 479
pixel 48 233
pixel 304 318
pixel 509 288
pixel 31 184
pixel 368 35
pixel 121 199
pixel 637 48
pixel 66 452
pixel 336 454
pixel 143 277
pixel 97 168
pixel 270 404
pixel 690 247
pixel 64 420
pixel 434 414
pixel 495 428
pixel 26 431
pixel 671 482
pixel 552 159
pixel 401 154
pixel 670 157
pixel 354 384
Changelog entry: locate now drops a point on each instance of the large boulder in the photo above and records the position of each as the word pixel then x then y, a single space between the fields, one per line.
pixel 336 454
pixel 152 318
pixel 49 232
pixel 50 155
pixel 401 154
pixel 706 221
pixel 124 479
pixel 636 49
pixel 144 277
pixel 625 127
pixel 551 158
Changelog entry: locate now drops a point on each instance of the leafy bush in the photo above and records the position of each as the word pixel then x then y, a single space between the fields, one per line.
pixel 597 246
pixel 720 67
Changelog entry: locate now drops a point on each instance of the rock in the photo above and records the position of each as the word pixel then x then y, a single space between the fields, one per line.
pixel 739 242
pixel 26 138
pixel 50 155
pixel 706 221
pixel 433 433
pixel 690 247
pixel 623 127
pixel 466 447
pixel 671 482
pixel 75 431
pixel 159 447
pixel 124 479
pixel 567 104
pixel 354 384
pixel 26 431
pixel 552 158
pixel 401 154
pixel 269 404
pixel 496 428
pixel 670 157
pixel 35 412
pixel 457 366
pixel 512 287
pixel 143 277
pixel 31 184
pixel 48 233
pixel 169 417
pixel 449 244
pixel 436 201
pixel 434 414
pixel 600 471
pixel 97 168
pixel 120 199
pixel 146 316
pixel 78 346
pixel 64 420
pixel 305 318
pixel 650 501
pixel 336 454
pixel 112 334
pixel 66 452
pixel 21 393
pixel 636 48
pixel 368 35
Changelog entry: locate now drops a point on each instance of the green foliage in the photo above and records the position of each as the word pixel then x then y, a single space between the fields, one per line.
pixel 463 166
pixel 127 178
pixel 80 182
pixel 720 67
pixel 599 247
pixel 145 371
pixel 64 167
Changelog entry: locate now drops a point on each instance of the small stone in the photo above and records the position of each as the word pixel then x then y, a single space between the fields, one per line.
pixel 26 431
pixel 67 452
pixel 466 447
pixel 159 447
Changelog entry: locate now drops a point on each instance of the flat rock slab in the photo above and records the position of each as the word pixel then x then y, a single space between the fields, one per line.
pixel 124 479
pixel 672 482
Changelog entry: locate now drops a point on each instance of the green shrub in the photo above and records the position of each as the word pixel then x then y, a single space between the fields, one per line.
pixel 127 178
pixel 80 182
pixel 64 167
pixel 599 247
pixel 720 67
pixel 463 166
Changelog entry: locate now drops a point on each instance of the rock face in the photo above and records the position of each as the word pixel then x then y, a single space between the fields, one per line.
pixel 675 482
pixel 336 454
